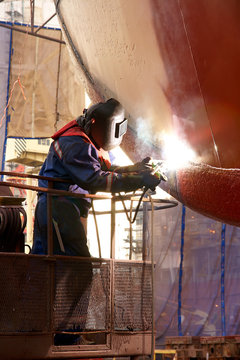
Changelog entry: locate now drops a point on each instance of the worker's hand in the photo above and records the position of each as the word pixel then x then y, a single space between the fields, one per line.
pixel 144 165
pixel 150 181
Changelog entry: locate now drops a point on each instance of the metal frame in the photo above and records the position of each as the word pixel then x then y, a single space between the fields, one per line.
pixel 118 342
pixel 31 30
pixel 162 203
pixel 39 344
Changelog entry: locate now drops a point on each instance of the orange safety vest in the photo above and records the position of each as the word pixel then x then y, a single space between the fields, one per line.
pixel 73 129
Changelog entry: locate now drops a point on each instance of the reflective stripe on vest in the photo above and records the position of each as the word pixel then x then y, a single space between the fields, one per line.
pixel 57 149
pixel 109 180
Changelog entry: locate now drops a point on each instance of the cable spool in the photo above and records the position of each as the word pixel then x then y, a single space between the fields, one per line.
pixel 12 224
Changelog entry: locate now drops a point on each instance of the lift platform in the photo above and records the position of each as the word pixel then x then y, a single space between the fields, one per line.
pixel 105 303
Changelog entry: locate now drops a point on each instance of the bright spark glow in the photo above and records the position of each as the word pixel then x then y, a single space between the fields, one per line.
pixel 121 158
pixel 87 100
pixel 177 153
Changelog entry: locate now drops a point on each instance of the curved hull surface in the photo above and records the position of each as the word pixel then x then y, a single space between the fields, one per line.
pixel 174 65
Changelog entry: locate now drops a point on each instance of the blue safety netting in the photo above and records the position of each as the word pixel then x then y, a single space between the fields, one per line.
pixel 197 279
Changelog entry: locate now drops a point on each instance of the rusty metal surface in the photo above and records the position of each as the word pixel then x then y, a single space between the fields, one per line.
pixel 29 347
pixel 205 189
pixel 211 347
pixel 185 55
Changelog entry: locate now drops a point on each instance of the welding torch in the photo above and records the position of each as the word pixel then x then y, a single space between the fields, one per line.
pixel 158 169
pixel 154 167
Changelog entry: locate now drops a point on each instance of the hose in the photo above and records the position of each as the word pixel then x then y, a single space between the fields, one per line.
pixel 130 219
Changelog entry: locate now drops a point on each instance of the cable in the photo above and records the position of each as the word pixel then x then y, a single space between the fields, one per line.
pixel 223 322
pixel 130 219
pixel 153 293
pixel 181 273
pixel 12 224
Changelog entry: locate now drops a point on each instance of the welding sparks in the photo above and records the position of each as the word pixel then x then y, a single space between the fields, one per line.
pixel 177 153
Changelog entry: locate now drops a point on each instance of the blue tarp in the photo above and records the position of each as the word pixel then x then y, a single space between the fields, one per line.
pixel 208 296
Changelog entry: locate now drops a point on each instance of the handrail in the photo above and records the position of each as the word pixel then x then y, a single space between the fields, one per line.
pixel 32 176
pixel 50 191
pixel 53 191
pixel 131 197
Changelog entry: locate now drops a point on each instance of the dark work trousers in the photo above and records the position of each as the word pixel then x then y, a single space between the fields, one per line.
pixel 69 239
pixel 66 214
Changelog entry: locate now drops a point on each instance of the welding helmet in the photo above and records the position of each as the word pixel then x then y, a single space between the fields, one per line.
pixel 107 123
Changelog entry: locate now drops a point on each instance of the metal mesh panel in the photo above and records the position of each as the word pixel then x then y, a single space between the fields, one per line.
pixel 82 298
pixel 24 284
pixel 133 296
pixel 82 294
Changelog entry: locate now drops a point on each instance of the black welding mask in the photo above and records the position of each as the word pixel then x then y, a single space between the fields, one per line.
pixel 108 124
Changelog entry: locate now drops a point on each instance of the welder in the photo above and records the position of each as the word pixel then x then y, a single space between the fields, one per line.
pixel 79 153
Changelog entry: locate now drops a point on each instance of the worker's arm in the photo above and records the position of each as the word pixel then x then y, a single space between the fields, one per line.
pixel 80 161
pixel 144 165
